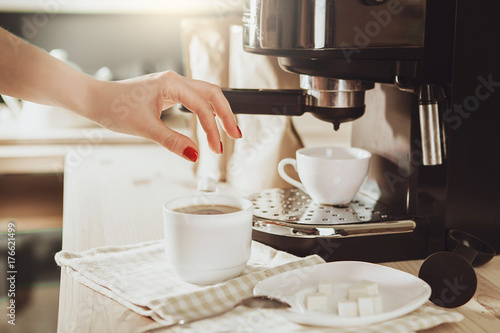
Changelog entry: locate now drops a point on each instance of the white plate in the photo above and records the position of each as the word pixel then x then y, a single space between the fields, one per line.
pixel 401 292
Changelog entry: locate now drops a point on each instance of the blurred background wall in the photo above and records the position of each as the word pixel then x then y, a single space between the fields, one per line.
pixel 128 44
pixel 129 37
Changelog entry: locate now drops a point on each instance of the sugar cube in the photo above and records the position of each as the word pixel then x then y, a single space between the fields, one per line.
pixel 370 305
pixel 325 286
pixel 371 287
pixel 348 308
pixel 340 290
pixel 357 292
pixel 316 302
pixel 362 288
pixel 365 306
pixel 377 304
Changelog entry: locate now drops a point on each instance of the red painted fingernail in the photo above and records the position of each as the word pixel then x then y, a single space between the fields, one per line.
pixel 191 154
pixel 221 148
pixel 239 131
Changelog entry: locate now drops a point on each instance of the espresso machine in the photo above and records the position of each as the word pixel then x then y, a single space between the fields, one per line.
pixel 421 82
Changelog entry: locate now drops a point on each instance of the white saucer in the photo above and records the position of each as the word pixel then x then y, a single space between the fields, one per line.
pixel 401 292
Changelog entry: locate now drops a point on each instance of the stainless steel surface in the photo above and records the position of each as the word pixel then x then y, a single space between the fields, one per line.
pixel 350 230
pixel 324 83
pixel 334 93
pixel 385 131
pixel 256 302
pixel 335 99
pixel 332 24
pixel 294 206
pixel 403 86
pixel 291 212
pixel 430 133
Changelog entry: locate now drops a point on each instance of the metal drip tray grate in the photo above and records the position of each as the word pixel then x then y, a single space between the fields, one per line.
pixel 294 206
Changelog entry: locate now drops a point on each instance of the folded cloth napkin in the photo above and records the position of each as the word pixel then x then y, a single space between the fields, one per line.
pixel 138 277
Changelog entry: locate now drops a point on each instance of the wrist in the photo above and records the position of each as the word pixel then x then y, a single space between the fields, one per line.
pixel 92 97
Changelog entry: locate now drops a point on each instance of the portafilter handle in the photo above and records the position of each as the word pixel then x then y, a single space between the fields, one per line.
pixel 283 102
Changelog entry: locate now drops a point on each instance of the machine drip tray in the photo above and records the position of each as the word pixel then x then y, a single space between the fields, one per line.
pixel 295 207
pixel 289 220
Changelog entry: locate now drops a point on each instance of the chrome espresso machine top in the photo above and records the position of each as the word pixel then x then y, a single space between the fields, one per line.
pixel 420 79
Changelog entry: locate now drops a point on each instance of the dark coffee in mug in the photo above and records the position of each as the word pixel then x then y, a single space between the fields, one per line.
pixel 207 209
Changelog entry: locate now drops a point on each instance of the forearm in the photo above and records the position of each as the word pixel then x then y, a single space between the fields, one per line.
pixel 131 106
pixel 29 73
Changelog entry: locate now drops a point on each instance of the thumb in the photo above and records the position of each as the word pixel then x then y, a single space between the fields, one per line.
pixel 175 142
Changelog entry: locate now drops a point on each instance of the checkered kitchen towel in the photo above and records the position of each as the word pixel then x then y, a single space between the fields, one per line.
pixel 138 277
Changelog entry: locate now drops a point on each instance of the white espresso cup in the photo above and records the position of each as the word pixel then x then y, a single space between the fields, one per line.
pixel 208 249
pixel 330 175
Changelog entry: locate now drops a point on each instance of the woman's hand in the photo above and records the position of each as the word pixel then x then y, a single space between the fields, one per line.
pixel 131 106
pixel 134 107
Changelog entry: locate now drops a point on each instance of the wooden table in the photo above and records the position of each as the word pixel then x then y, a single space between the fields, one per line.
pixel 115 196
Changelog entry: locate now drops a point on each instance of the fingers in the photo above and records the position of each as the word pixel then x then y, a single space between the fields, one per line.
pixel 175 142
pixel 179 92
pixel 221 106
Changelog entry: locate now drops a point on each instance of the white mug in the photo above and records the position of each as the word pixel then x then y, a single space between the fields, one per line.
pixel 208 249
pixel 330 175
